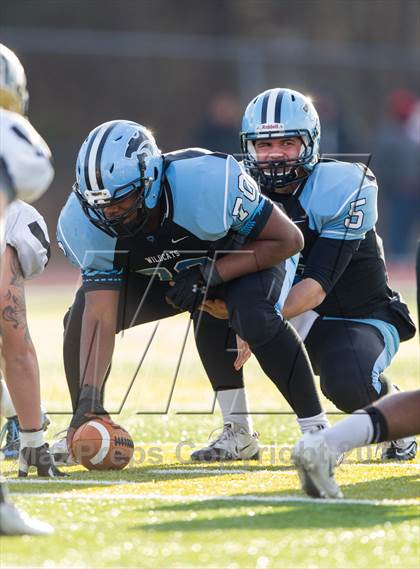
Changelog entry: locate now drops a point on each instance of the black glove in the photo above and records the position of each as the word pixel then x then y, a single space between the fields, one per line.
pixel 89 406
pixel 188 291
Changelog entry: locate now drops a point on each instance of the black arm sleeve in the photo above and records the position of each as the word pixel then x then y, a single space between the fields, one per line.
pixel 328 259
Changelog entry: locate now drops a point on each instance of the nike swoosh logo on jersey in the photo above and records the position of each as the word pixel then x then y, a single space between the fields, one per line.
pixel 180 239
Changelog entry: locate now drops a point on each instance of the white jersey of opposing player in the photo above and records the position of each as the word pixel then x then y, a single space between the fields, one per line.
pixel 25 157
pixel 27 233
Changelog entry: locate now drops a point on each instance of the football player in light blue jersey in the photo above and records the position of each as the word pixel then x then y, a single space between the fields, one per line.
pixel 155 234
pixel 341 303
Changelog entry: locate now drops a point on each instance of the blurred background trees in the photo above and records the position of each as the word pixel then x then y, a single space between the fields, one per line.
pixel 187 69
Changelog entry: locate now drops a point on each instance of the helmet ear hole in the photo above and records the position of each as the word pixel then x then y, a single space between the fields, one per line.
pixel 112 168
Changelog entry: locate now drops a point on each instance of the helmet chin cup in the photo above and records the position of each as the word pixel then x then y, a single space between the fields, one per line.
pixel 117 226
pixel 274 175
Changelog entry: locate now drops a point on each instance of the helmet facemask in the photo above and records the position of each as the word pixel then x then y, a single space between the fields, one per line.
pixel 273 174
pixel 280 113
pixel 94 204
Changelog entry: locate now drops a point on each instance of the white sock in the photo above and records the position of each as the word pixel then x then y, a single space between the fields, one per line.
pixel 7 409
pixel 354 431
pixel 234 406
pixel 313 423
pixel 31 438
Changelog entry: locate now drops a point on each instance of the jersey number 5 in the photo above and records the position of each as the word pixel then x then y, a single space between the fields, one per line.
pixel 355 219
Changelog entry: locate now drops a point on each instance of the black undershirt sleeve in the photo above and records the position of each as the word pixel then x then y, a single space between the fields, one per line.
pixel 258 220
pixel 328 260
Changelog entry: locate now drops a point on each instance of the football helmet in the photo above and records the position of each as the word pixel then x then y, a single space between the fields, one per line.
pixel 118 158
pixel 13 92
pixel 280 113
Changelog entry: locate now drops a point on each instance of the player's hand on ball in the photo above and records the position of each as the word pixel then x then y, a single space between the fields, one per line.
pixel 89 406
pixel 187 290
pixel 244 353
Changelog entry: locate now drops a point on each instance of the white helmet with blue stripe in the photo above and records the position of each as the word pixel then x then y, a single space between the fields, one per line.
pixel 280 113
pixel 13 92
pixel 118 158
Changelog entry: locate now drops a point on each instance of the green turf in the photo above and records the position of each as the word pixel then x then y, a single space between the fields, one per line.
pixel 163 511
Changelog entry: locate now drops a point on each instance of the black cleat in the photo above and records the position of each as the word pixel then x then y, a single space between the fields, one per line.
pixel 401 449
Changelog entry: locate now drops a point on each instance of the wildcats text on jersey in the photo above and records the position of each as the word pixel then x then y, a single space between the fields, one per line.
pixel 165 256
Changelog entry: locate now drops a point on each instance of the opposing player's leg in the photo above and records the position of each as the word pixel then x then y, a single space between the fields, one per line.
pixel 21 370
pixel 350 357
pixel 10 433
pixel 393 417
pixel 216 344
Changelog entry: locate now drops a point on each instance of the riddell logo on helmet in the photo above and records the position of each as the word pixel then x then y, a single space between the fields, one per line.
pixel 271 126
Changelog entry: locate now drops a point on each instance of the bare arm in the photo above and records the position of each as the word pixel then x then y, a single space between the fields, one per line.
pixel 98 336
pixel 20 362
pixel 305 295
pixel 278 240
pixel 97 341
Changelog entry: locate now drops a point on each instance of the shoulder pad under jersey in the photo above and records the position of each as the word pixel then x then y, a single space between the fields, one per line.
pixel 340 199
pixel 211 193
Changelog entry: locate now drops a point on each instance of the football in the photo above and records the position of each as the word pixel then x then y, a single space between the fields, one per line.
pixel 99 445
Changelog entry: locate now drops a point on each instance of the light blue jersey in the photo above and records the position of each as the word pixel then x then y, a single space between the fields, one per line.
pixel 205 199
pixel 340 200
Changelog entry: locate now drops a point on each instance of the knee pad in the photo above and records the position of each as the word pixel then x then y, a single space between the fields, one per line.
pixel 257 325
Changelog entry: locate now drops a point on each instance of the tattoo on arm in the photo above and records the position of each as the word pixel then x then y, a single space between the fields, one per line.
pixel 14 306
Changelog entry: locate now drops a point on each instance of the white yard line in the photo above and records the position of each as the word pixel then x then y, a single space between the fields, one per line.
pixel 100 496
pixel 71 481
pixel 380 465
pixel 223 470
pixel 204 470
pixel 169 471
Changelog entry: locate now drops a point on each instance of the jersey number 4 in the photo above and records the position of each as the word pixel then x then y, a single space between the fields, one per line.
pixel 250 191
pixel 355 219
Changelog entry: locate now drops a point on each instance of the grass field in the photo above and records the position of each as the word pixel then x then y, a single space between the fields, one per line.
pixel 163 511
